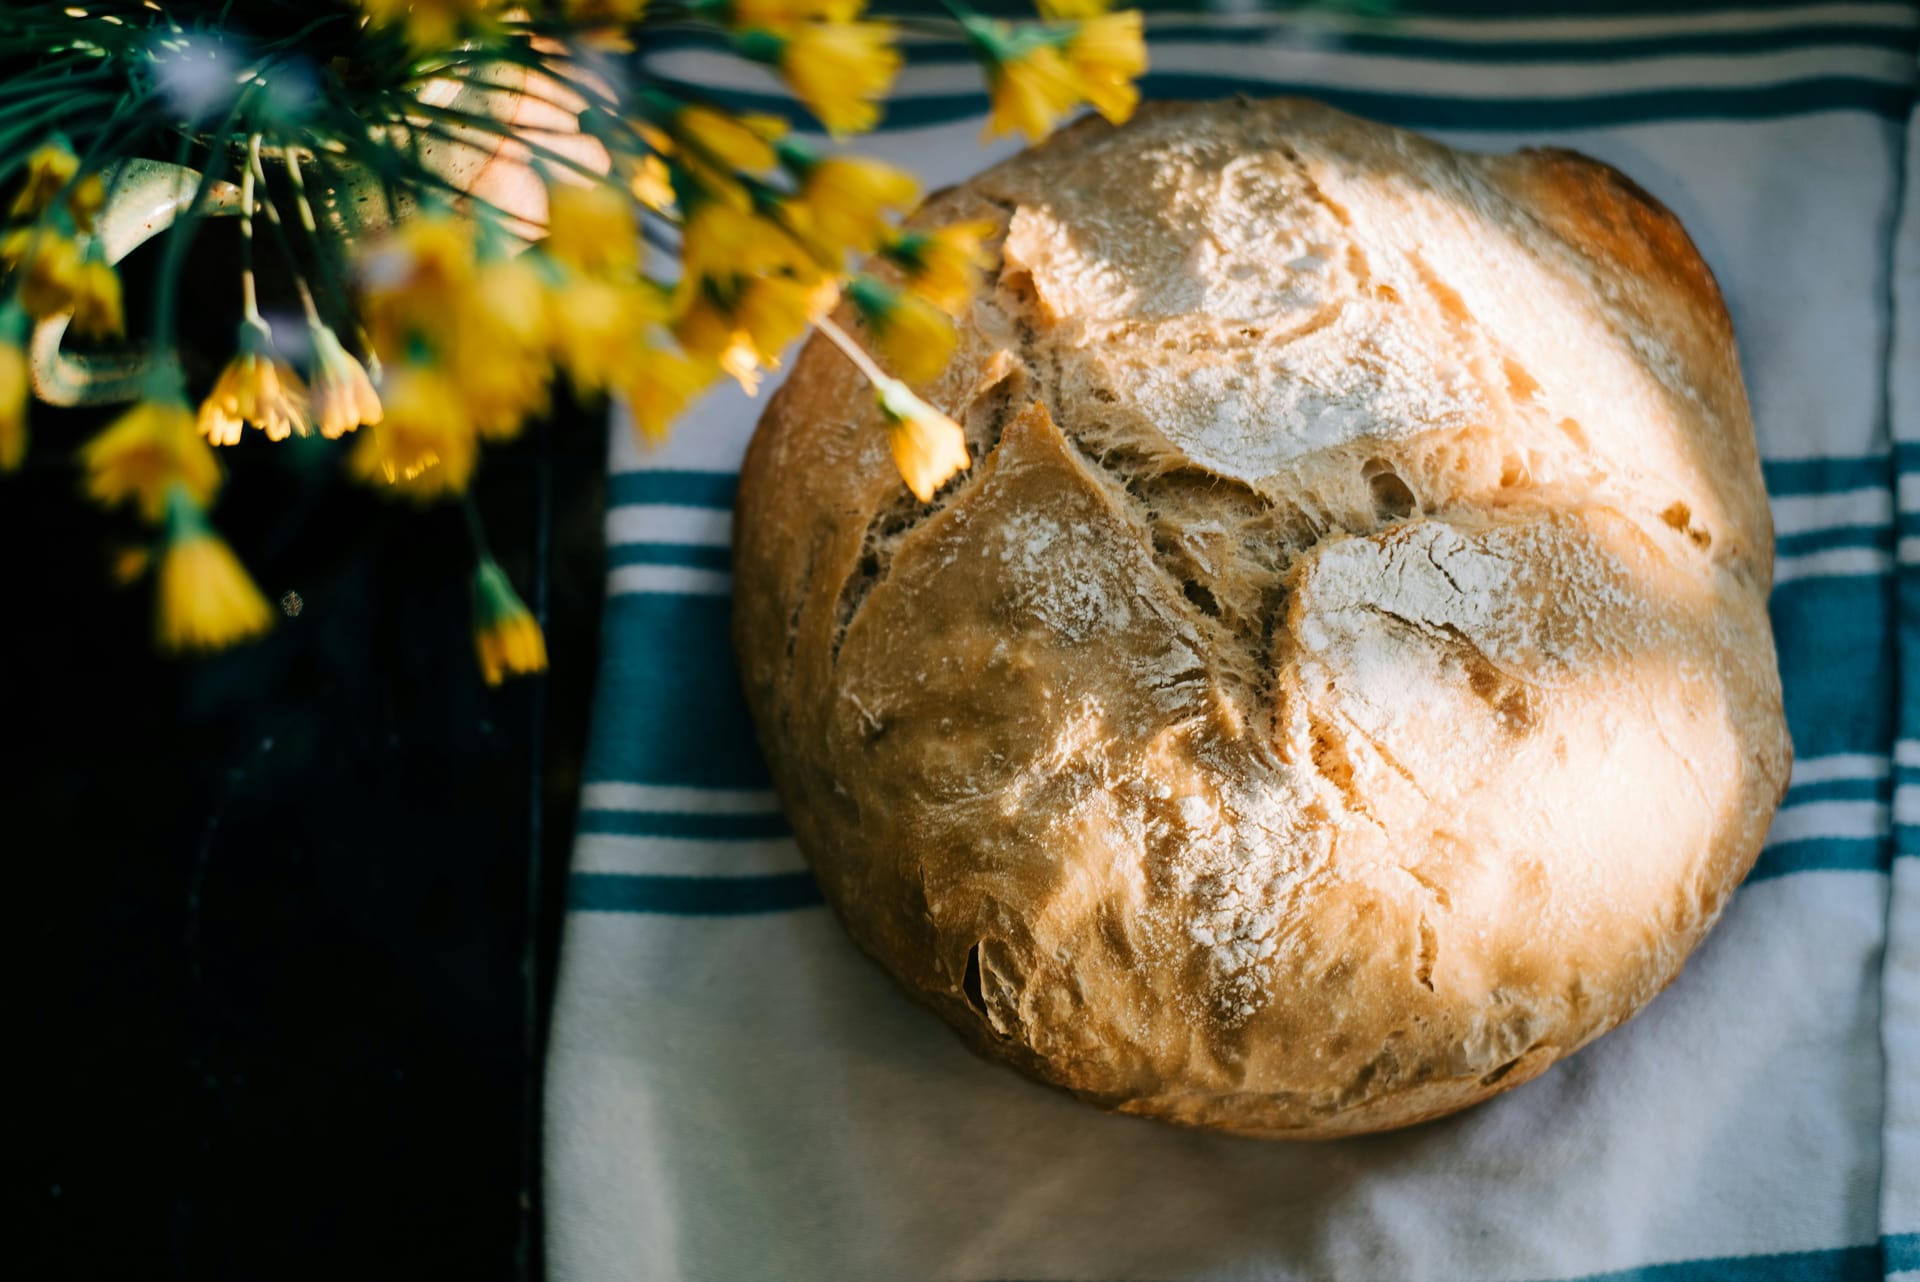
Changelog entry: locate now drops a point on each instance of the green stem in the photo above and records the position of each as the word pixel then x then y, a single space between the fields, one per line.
pixel 337 294
pixel 474 528
pixel 249 291
pixel 180 235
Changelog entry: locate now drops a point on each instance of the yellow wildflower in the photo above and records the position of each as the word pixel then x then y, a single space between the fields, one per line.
pixel 1031 91
pixel 506 636
pixel 1107 54
pixel 843 201
pixel 85 200
pixel 592 227
pixel 416 282
pixel 500 350
pixel 591 12
pixel 658 385
pixel 256 387
pixel 50 168
pixel 928 447
pixel 97 309
pixel 720 242
pixel 594 322
pixel 204 599
pixel 48 266
pixel 149 450
pixel 1071 10
pixel 943 265
pixel 424 443
pixel 784 15
pixel 840 70
pixel 712 336
pixel 914 336
pixel 774 310
pixel 13 394
pixel 430 24
pixel 743 142
pixel 343 395
pixel 652 182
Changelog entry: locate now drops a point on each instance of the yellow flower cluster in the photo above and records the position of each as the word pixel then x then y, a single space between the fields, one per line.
pixel 430 24
pixel 839 66
pixel 53 267
pixel 53 272
pixel 257 387
pixel 1038 76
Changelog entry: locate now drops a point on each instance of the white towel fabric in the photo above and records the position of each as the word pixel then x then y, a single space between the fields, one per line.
pixel 735 1093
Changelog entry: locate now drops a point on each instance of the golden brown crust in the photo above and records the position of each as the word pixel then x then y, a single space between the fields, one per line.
pixel 1342 686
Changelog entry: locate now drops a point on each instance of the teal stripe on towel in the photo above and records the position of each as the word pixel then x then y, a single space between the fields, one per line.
pixel 595 892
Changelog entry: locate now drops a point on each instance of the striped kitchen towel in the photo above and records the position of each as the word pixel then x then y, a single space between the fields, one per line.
pixel 735 1093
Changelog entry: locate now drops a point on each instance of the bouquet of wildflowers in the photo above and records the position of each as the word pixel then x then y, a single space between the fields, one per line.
pixel 654 243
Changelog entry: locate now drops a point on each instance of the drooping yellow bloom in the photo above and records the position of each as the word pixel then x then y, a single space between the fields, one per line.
pixel 1031 91
pixel 652 183
pixel 256 387
pixel 843 201
pixel 424 443
pixel 712 336
pixel 841 70
pixel 343 395
pixel 943 265
pixel 85 200
pixel 721 242
pixel 658 385
pixel 417 281
pixel 913 335
pixel 620 12
pixel 148 451
pixel 48 266
pixel 774 310
pixel 928 447
pixel 506 636
pixel 594 325
pixel 500 349
pixel 592 228
pixel 97 308
pixel 743 142
pixel 1107 54
pixel 13 403
pixel 430 24
pixel 204 599
pixel 785 15
pixel 1068 10
pixel 50 168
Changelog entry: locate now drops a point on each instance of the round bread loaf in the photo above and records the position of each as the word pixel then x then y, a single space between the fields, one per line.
pixel 1342 686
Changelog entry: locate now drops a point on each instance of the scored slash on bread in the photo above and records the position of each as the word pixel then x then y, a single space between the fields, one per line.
pixel 1342 686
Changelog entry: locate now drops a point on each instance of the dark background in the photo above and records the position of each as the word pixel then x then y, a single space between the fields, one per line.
pixel 287 916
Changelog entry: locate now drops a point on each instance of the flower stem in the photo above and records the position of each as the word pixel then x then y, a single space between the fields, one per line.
pixel 180 235
pixel 247 287
pixel 853 352
pixel 474 529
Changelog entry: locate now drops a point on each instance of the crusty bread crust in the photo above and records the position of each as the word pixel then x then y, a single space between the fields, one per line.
pixel 1342 686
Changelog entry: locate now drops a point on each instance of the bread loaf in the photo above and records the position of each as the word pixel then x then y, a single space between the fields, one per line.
pixel 1342 686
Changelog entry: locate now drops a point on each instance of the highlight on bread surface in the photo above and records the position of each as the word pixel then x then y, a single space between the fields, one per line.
pixel 1341 686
